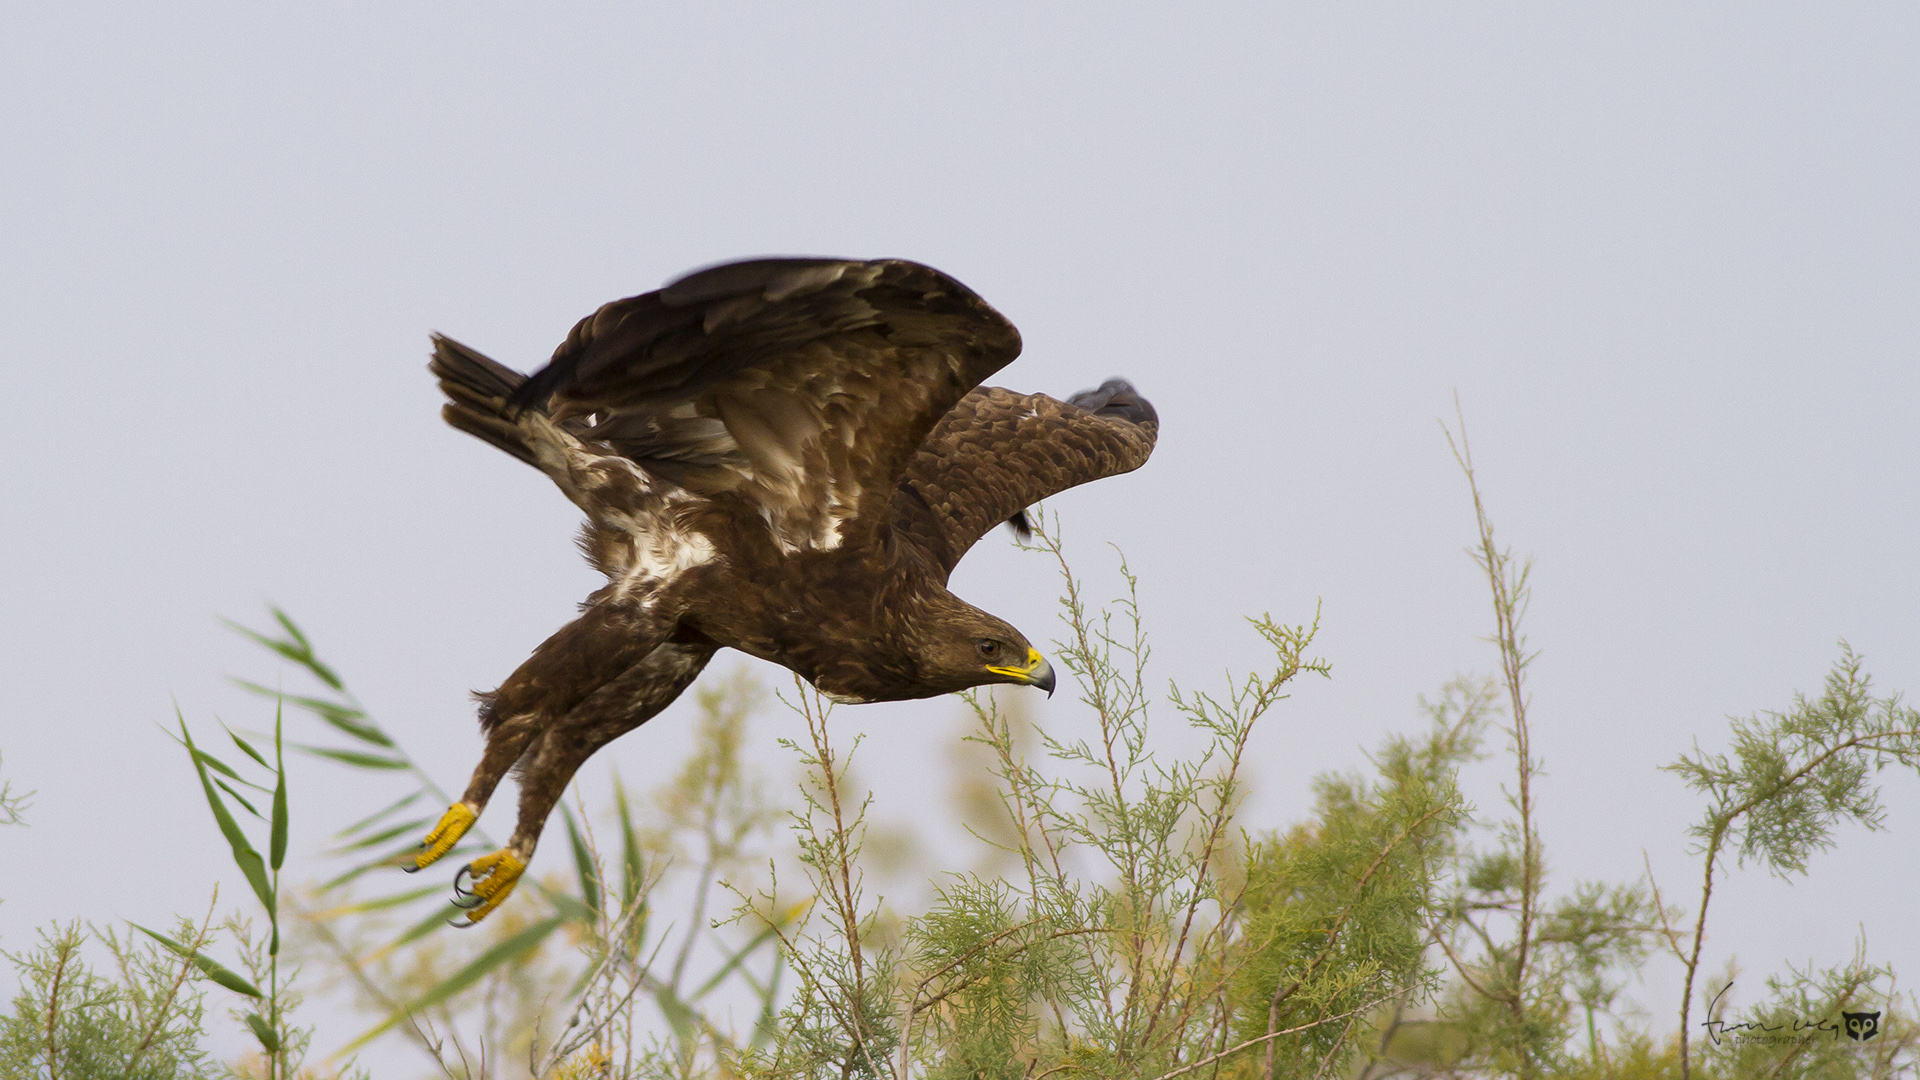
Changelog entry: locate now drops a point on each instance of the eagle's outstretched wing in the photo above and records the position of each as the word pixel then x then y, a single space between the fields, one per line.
pixel 999 452
pixel 800 385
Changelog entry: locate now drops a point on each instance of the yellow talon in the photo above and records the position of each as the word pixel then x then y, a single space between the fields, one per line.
pixel 494 876
pixel 453 825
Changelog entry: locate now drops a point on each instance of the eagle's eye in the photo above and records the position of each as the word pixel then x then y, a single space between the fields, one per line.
pixel 988 647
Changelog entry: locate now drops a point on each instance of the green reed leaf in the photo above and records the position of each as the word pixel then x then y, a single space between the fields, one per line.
pixel 448 911
pixel 246 747
pixel 277 846
pixel 733 963
pixel 401 858
pixel 376 816
pixel 237 797
pixel 382 836
pixel 222 767
pixel 208 966
pixel 293 630
pixel 247 859
pixel 503 953
pixel 353 757
pixel 264 1032
pixel 344 718
pixel 382 903
pixel 297 650
pixel 633 868
pixel 583 865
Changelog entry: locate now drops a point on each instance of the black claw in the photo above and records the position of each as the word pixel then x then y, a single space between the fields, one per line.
pixel 468 903
pixel 465 871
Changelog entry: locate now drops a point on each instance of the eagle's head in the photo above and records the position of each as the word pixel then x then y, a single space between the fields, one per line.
pixel 931 643
pixel 960 646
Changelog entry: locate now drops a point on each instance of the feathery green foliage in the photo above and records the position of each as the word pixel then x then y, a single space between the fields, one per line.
pixel 1350 894
pixel 1792 777
pixel 1139 933
pixel 469 1000
pixel 13 807
pixel 145 1018
pixel 408 993
pixel 1142 934
pixel 142 1022
pixel 1129 927
pixel 1531 979
pixel 268 1015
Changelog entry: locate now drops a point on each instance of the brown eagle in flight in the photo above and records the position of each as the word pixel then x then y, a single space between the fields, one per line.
pixel 781 456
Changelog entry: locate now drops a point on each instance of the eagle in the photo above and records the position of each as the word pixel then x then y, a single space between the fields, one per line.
pixel 784 456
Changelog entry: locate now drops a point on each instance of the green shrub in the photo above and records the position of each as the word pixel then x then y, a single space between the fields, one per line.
pixel 1131 928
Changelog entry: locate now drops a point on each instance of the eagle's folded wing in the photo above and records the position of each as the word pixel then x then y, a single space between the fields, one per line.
pixel 999 452
pixel 800 385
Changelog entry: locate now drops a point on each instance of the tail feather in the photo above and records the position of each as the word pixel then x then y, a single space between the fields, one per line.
pixel 478 392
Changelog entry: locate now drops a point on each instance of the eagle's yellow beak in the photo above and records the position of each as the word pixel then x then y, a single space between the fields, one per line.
pixel 1037 672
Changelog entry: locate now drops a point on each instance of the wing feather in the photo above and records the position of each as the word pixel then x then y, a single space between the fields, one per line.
pixel 732 379
pixel 999 452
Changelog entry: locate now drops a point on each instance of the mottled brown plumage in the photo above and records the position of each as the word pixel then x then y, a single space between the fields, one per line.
pixel 781 456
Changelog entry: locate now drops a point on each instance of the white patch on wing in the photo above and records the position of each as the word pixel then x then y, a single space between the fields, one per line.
pixel 842 502
pixel 827 537
pixel 797 526
pixel 586 477
pixel 662 556
pixel 620 495
pixel 658 546
pixel 782 438
pixel 841 699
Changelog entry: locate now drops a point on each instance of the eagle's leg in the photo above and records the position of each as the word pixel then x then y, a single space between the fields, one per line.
pixel 446 832
pixel 592 650
pixel 506 741
pixel 550 762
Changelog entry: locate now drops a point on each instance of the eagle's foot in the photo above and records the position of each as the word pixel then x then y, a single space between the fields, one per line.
pixel 453 825
pixel 494 876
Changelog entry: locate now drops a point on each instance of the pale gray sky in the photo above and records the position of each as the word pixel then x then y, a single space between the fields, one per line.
pixel 1669 259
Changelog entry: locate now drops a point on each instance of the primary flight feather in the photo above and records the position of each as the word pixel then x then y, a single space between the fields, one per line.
pixel 781 456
